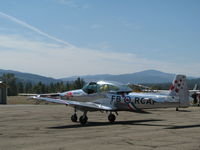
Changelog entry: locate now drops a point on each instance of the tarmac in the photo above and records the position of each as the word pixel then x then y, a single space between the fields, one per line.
pixel 41 127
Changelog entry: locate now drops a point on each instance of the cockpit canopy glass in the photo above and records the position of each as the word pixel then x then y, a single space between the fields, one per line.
pixel 103 86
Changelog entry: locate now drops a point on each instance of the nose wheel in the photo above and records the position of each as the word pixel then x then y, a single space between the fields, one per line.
pixel 111 118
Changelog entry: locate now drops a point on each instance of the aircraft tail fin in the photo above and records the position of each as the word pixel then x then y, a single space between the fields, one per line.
pixel 179 90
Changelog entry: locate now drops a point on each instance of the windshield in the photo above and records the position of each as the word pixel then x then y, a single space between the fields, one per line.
pixel 90 88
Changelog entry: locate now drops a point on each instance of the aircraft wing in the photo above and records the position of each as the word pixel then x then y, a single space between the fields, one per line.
pixel 84 106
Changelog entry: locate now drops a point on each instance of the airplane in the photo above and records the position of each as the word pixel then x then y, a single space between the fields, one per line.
pixel 123 99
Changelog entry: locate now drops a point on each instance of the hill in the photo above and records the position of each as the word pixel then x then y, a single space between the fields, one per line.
pixel 28 77
pixel 147 76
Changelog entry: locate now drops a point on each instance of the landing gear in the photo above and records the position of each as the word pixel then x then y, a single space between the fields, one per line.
pixel 83 119
pixel 74 118
pixel 111 118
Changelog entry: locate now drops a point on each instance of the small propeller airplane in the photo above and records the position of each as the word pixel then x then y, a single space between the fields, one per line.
pixel 114 97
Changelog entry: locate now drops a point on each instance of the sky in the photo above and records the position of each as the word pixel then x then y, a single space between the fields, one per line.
pixel 62 38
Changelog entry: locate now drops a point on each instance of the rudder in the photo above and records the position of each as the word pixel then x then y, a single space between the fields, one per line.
pixel 179 90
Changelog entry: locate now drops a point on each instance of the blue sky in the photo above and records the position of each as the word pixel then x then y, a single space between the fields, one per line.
pixel 60 38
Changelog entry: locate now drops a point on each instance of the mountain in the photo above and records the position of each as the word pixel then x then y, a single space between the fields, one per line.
pixel 28 77
pixel 143 77
pixel 147 76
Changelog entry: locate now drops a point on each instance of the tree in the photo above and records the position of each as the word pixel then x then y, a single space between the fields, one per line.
pixel 10 80
pixel 68 86
pixel 20 87
pixel 17 86
pixel 79 83
pixel 28 87
pixel 40 88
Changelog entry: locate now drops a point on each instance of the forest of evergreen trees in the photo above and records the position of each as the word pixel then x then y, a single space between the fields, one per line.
pixel 15 86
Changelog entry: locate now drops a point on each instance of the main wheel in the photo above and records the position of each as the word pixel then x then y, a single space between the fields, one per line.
pixel 83 120
pixel 111 118
pixel 74 118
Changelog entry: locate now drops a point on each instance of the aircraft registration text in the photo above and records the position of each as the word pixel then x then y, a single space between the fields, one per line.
pixel 135 100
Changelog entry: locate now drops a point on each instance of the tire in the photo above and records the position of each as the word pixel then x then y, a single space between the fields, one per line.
pixel 74 118
pixel 83 120
pixel 111 118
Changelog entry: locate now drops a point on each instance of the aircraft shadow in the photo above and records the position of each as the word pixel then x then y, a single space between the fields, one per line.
pixel 93 124
pixel 184 110
pixel 184 126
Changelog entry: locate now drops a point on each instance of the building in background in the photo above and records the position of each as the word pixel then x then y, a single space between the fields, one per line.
pixel 3 93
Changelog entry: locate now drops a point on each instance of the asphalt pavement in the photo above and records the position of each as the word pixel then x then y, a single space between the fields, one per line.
pixel 40 127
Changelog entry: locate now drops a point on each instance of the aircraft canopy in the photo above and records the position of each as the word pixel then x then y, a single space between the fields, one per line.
pixel 104 86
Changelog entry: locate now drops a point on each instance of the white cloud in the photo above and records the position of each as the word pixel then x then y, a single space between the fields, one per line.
pixel 55 60
pixel 104 46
